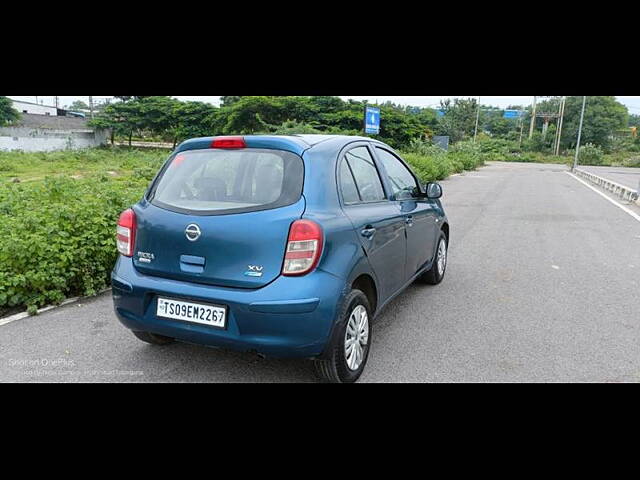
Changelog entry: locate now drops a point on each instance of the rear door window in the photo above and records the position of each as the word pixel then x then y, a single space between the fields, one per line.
pixel 348 184
pixel 220 181
pixel 364 171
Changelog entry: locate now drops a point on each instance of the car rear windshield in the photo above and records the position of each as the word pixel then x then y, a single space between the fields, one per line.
pixel 217 181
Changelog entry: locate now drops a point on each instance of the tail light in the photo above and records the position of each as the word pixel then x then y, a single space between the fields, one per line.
pixel 126 232
pixel 228 142
pixel 304 247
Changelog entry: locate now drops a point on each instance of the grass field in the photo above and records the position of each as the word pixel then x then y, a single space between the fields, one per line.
pixel 114 162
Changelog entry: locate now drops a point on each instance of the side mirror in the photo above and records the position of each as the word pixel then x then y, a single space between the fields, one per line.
pixel 433 190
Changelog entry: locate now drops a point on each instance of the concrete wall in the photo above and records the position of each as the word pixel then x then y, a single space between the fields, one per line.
pixel 46 140
pixel 34 108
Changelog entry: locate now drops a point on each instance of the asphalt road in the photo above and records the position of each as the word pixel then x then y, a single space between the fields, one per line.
pixel 629 177
pixel 542 285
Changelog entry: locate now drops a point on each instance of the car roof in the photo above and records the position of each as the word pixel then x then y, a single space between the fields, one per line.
pixel 314 139
pixel 297 144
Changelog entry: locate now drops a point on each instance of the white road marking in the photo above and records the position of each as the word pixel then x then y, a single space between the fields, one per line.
pixel 620 206
pixel 555 267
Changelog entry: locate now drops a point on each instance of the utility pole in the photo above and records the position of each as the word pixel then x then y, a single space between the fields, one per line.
pixel 91 106
pixel 533 118
pixel 555 137
pixel 56 102
pixel 560 122
pixel 575 161
pixel 475 133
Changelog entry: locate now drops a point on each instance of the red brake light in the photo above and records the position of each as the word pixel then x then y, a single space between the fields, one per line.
pixel 177 161
pixel 126 232
pixel 304 247
pixel 228 142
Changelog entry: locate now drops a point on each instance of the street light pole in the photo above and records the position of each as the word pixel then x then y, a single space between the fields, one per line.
pixel 575 161
pixel 475 133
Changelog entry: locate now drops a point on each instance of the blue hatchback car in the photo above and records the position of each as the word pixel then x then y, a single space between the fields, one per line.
pixel 287 246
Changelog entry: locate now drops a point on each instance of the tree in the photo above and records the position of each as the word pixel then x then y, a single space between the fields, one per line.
pixel 174 120
pixel 78 105
pixel 228 101
pixel 8 114
pixel 157 115
pixel 123 118
pixel 250 114
pixel 193 119
pixel 161 116
pixel 492 120
pixel 327 104
pixel 603 116
pixel 459 119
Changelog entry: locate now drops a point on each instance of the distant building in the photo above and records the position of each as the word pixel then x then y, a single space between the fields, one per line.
pixel 36 108
pixel 46 132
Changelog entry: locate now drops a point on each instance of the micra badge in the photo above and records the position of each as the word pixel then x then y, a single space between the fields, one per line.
pixel 254 271
pixel 145 257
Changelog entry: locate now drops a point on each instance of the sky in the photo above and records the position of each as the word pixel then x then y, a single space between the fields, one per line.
pixel 632 103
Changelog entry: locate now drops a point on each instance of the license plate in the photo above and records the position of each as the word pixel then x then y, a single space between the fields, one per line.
pixel 206 314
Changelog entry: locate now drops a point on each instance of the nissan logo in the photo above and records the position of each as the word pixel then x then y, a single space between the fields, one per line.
pixel 192 232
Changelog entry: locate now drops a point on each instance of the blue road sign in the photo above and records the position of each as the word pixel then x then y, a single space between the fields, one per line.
pixel 440 113
pixel 512 114
pixel 372 120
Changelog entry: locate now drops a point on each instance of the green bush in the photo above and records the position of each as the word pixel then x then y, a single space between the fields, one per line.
pixel 432 163
pixel 429 168
pixel 632 162
pixel 65 244
pixel 522 157
pixel 590 154
pixel 423 147
pixel 469 154
pixel 621 144
pixel 57 234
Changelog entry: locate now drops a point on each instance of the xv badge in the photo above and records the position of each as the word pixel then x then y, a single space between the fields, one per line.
pixel 254 271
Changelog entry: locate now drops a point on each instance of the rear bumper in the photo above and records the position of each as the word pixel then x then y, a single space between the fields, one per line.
pixel 290 317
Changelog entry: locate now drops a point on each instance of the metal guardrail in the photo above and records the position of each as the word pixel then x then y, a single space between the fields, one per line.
pixel 622 191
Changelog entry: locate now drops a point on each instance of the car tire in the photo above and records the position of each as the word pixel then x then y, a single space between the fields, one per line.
pixel 435 275
pixel 153 338
pixel 349 352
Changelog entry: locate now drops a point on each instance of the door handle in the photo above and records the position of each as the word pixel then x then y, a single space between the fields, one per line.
pixel 368 232
pixel 409 220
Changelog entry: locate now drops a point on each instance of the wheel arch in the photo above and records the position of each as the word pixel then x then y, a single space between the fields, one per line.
pixel 367 285
pixel 445 230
